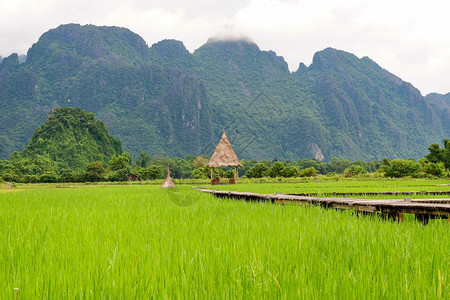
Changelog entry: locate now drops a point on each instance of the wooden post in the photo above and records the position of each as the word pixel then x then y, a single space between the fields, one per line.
pixel 212 173
pixel 235 174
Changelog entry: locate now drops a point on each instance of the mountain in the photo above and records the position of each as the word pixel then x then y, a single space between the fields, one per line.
pixel 72 138
pixel 339 106
pixel 441 104
pixel 164 100
pixel 368 109
pixel 104 70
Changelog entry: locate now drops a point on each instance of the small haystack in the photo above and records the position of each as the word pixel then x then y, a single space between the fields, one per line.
pixel 168 183
pixel 224 156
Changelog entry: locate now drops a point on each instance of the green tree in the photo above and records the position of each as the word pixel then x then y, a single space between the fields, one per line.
pixel 447 154
pixel 182 168
pixel 436 154
pixel 257 171
pixel 30 178
pixel 94 171
pixel 228 173
pixel 118 162
pixel 435 169
pixel 11 176
pixel 354 170
pixel 120 174
pixel 276 170
pixel 143 160
pixel 402 168
pixel 69 175
pixel 155 172
pixel 290 171
pixel 70 138
pixel 200 161
pixel 338 166
pixel 201 172
pixel 308 172
pixel 49 177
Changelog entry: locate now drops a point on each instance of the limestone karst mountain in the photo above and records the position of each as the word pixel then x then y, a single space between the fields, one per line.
pixel 164 100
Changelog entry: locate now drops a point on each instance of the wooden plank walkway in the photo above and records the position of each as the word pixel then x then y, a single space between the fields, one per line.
pixel 343 194
pixel 424 209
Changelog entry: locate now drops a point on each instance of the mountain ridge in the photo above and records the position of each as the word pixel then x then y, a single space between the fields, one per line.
pixel 165 100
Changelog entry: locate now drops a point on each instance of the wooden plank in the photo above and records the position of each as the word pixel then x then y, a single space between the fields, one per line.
pixel 391 208
pixel 443 200
pixel 376 193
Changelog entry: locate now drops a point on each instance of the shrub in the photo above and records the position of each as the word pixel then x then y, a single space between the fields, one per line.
pixel 276 170
pixel 199 173
pixel 94 172
pixel 30 179
pixel 11 176
pixel 69 175
pixel 155 172
pixel 435 169
pixel 257 171
pixel 48 177
pixel 308 172
pixel 401 168
pixel 290 172
pixel 121 174
pixel 229 174
pixel 354 170
pixel 119 162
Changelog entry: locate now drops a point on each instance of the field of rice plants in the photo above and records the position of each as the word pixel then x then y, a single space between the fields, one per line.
pixel 138 241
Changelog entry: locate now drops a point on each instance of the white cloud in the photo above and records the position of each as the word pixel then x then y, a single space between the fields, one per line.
pixel 408 38
pixel 404 37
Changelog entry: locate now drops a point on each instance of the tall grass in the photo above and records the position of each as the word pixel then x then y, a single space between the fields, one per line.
pixel 135 242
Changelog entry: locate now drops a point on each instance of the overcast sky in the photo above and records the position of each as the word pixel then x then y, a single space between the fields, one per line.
pixel 408 38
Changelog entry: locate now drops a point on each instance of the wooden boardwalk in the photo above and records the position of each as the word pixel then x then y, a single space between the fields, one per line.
pixel 423 209
pixel 374 193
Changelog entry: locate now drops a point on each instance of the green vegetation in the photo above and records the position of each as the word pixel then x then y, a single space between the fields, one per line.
pixel 324 185
pixel 440 155
pixel 41 168
pixel 72 138
pixel 106 71
pixel 163 100
pixel 133 242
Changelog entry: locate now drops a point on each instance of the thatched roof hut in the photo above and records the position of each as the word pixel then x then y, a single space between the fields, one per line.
pixel 224 156
pixel 168 183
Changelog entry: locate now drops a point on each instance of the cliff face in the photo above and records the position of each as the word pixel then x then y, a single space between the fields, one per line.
pixel 441 105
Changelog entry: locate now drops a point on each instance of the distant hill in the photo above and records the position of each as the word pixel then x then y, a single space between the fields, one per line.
pixel 164 100
pixel 73 138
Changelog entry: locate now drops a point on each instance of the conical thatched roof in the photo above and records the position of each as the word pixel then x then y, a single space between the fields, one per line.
pixel 168 183
pixel 224 154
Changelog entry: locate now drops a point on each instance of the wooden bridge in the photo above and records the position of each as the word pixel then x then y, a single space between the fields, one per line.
pixel 423 209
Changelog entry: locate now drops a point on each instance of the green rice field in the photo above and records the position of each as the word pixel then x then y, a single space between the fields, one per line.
pixel 340 186
pixel 139 241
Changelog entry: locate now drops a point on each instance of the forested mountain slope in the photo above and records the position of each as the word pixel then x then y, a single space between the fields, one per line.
pixel 164 100
pixel 72 138
pixel 104 70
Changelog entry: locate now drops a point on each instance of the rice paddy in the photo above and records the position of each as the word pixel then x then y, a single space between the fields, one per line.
pixel 138 241
pixel 340 186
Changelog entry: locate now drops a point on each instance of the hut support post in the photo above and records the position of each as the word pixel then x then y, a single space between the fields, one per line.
pixel 235 174
pixel 212 173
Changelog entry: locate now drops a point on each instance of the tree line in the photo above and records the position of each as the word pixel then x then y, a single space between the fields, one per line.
pixel 41 168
